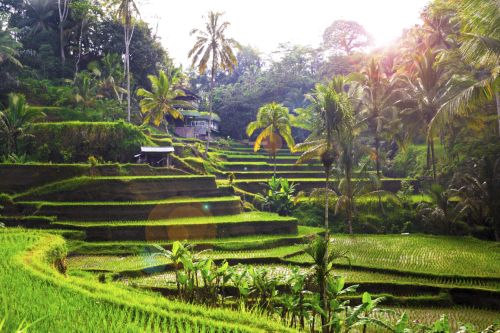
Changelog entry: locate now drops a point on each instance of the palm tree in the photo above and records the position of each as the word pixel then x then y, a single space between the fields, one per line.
pixel 378 97
pixel 39 14
pixel 15 119
pixel 275 121
pixel 162 100
pixel 110 76
pixel 424 95
pixel 479 48
pixel 8 46
pixel 63 10
pixel 214 48
pixel 125 10
pixel 333 111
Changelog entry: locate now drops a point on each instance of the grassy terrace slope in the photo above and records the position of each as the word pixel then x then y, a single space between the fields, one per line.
pixel 137 210
pixel 57 303
pixel 132 188
pixel 425 254
pixel 244 224
pixel 223 244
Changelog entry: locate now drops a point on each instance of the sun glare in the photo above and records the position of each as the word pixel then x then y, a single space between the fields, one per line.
pixel 266 24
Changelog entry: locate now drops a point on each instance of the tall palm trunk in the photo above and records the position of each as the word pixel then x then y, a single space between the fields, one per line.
pixel 377 156
pixel 274 162
pixel 497 97
pixel 61 41
pixel 63 8
pixel 350 199
pixel 348 180
pixel 433 159
pixel 127 67
pixel 323 291
pixel 211 100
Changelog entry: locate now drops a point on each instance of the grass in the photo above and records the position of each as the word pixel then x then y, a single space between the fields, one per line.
pixel 243 164
pixel 260 157
pixel 282 272
pixel 231 244
pixel 354 276
pixel 176 200
pixel 425 254
pixel 38 294
pixel 141 262
pixel 258 217
pixel 477 317
pixel 74 183
pixel 115 263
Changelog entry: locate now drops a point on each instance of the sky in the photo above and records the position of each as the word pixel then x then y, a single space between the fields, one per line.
pixel 264 24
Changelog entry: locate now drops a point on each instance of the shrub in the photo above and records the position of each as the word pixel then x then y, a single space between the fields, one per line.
pixel 76 141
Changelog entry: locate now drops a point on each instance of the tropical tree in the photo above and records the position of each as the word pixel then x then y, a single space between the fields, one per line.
pixel 125 11
pixel 480 193
pixel 378 97
pixel 443 212
pixel 212 48
pixel 8 45
pixel 162 100
pixel 14 120
pixel 63 9
pixel 345 36
pixel 333 111
pixel 480 51
pixel 110 76
pixel 323 259
pixel 423 96
pixel 274 120
pixel 86 88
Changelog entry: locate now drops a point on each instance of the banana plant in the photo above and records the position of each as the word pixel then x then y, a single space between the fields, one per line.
pixel 175 255
pixel 263 285
pixel 238 276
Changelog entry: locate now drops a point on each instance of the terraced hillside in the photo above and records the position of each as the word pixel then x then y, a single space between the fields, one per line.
pixel 117 226
pixel 147 208
pixel 70 303
pixel 252 169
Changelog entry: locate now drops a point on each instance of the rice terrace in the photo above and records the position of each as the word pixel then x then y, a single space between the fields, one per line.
pixel 228 166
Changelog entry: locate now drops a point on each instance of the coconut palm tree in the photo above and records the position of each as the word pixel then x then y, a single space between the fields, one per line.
pixel 162 100
pixel 333 111
pixel 274 120
pixel 378 97
pixel 8 46
pixel 480 49
pixel 125 11
pixel 14 120
pixel 213 48
pixel 63 10
pixel 424 95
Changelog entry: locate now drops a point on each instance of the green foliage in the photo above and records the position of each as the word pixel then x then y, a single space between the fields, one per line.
pixel 274 120
pixel 76 141
pixel 27 259
pixel 279 197
pixel 160 102
pixel 14 122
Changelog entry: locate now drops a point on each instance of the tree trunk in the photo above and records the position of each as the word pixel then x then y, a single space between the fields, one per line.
pixel 350 197
pixel 274 161
pixel 61 45
pixel 497 97
pixel 211 100
pixel 377 156
pixel 79 55
pixel 324 319
pixel 433 160
pixel 63 14
pixel 127 70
